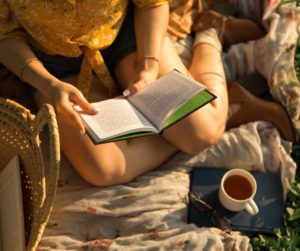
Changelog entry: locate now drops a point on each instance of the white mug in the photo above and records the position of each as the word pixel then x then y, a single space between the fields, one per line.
pixel 237 190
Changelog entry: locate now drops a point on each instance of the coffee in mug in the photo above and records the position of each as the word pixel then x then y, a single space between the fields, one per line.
pixel 237 190
pixel 238 187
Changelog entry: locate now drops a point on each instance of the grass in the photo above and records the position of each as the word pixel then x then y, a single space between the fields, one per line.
pixel 290 241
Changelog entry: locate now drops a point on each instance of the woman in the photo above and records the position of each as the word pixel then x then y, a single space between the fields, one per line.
pixel 66 37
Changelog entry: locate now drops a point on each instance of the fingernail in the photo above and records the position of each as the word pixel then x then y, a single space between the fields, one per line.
pixel 82 132
pixel 126 93
pixel 94 110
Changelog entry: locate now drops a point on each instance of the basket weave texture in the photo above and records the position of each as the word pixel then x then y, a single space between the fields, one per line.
pixel 20 135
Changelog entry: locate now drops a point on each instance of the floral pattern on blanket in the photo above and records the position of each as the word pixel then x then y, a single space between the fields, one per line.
pixel 150 212
pixel 276 54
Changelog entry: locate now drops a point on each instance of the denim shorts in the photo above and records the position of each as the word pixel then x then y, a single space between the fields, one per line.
pixel 123 45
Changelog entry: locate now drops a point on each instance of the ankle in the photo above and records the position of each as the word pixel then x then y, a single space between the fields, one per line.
pixel 233 109
pixel 234 26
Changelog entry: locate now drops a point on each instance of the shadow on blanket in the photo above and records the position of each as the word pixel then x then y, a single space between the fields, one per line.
pixel 149 213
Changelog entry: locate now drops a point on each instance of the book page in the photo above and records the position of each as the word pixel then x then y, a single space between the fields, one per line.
pixel 11 208
pixel 162 97
pixel 115 117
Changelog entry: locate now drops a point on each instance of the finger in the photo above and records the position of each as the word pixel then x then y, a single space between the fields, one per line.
pixel 80 100
pixel 72 115
pixel 134 88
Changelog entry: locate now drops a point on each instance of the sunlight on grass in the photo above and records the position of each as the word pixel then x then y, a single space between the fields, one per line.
pixel 289 241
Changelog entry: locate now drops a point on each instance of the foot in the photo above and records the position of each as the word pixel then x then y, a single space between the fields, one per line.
pixel 229 29
pixel 249 108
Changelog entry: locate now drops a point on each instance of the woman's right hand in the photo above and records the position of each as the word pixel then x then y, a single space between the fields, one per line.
pixel 64 96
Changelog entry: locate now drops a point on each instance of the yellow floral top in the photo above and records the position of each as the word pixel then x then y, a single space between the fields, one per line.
pixel 69 28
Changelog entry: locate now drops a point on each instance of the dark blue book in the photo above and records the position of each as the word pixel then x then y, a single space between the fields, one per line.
pixel 269 199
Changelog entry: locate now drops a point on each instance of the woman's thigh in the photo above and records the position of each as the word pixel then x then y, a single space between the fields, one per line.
pixel 78 149
pixel 196 131
pixel 110 163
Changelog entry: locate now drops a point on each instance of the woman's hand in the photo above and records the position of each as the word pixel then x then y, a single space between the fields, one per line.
pixel 64 96
pixel 146 72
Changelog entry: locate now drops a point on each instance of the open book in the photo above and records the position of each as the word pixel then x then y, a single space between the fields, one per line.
pixel 156 107
pixel 12 233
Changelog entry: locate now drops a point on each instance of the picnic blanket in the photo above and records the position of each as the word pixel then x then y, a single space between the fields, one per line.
pixel 150 213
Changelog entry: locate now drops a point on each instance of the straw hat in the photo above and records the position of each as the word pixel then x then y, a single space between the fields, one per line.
pixel 20 135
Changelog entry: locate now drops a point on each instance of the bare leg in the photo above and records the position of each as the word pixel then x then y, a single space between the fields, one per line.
pixel 231 30
pixel 120 162
pixel 204 126
pixel 111 163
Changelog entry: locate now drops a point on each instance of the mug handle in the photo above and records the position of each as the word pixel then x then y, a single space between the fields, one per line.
pixel 251 207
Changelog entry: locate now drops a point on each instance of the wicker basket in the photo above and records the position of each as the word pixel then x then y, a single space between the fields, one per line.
pixel 20 135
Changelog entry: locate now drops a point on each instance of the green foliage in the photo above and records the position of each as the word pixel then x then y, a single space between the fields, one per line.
pixel 289 1
pixel 290 240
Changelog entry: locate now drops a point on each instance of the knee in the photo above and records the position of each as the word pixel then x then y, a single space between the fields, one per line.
pixel 200 140
pixel 103 173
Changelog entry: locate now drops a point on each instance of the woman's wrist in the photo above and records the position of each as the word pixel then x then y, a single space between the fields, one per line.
pixel 33 72
pixel 147 62
pixel 26 64
pixel 48 85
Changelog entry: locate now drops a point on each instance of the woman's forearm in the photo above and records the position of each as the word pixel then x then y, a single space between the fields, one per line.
pixel 14 53
pixel 150 27
pixel 150 31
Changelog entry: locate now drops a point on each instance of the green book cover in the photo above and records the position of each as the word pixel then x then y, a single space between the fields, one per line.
pixel 150 111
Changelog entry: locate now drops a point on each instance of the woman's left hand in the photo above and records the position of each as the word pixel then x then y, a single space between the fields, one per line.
pixel 146 73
